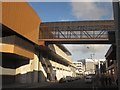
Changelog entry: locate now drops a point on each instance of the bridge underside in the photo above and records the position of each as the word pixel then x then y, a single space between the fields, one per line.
pixel 77 32
pixel 75 41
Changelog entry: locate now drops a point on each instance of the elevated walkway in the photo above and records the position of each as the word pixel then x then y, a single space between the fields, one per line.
pixel 80 32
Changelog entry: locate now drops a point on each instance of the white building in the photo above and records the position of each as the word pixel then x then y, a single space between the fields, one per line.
pixel 79 67
pixel 62 67
pixel 89 65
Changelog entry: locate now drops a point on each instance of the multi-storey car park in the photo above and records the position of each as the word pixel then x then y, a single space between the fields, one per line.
pixel 32 51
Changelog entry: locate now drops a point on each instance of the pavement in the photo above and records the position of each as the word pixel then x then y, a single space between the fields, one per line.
pixel 98 84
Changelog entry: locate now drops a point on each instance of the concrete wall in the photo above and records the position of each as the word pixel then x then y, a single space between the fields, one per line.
pixel 10 44
pixel 30 72
pixel 61 53
pixel 61 70
pixel 19 68
pixel 18 18
pixel 36 70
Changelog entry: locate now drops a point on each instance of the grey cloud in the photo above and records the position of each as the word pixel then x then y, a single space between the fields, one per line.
pixel 90 10
pixel 83 51
pixel 86 48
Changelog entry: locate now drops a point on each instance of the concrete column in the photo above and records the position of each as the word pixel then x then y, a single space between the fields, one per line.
pixel 42 73
pixel 116 8
pixel 35 70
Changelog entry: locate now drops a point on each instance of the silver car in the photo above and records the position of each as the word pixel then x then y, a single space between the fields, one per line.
pixel 88 79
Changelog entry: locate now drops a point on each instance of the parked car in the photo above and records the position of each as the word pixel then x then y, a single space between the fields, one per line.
pixel 72 78
pixel 62 80
pixel 77 78
pixel 88 79
pixel 68 78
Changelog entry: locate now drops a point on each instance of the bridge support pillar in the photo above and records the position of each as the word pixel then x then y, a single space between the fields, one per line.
pixel 116 8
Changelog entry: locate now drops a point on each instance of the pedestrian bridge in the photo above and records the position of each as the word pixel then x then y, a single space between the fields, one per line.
pixel 97 31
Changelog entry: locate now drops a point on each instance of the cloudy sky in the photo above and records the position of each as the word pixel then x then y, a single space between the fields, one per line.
pixel 72 11
pixel 76 11
pixel 86 51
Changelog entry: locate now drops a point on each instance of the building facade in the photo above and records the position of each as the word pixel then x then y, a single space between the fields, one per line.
pixel 79 68
pixel 111 63
pixel 91 66
pixel 18 44
pixel 25 59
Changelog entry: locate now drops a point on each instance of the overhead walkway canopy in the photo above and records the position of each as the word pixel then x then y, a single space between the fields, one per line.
pixel 80 32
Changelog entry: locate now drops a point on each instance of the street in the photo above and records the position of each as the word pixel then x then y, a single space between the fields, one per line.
pixel 73 84
pixel 80 83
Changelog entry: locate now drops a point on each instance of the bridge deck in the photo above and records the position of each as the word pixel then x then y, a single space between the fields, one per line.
pixel 77 31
